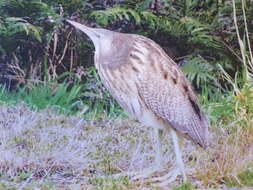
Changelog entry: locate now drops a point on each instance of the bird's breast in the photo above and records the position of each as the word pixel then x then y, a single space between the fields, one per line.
pixel 123 75
pixel 122 85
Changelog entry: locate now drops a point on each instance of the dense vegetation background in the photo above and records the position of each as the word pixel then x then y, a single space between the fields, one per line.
pixel 44 63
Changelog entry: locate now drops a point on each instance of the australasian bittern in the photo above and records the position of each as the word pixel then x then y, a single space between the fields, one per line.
pixel 149 85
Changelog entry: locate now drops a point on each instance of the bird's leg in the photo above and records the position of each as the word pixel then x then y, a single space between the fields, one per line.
pixel 180 168
pixel 158 158
pixel 179 158
pixel 158 148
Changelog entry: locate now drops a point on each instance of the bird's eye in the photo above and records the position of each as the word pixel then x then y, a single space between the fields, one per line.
pixel 97 35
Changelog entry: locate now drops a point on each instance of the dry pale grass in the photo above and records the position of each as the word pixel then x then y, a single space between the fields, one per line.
pixel 73 153
pixel 63 149
pixel 227 156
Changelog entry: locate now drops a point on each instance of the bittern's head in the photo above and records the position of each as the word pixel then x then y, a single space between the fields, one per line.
pixel 101 38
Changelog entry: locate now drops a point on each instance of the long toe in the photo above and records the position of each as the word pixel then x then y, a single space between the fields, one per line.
pixel 147 173
pixel 139 175
pixel 167 178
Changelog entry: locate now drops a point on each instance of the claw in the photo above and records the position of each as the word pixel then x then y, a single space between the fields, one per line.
pixel 147 173
pixel 168 178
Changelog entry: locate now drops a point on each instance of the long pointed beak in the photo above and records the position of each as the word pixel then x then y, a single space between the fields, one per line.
pixel 78 25
pixel 87 30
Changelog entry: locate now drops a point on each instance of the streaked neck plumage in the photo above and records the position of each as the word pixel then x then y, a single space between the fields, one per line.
pixel 101 38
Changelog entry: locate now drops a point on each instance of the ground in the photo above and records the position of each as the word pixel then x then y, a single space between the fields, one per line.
pixel 45 150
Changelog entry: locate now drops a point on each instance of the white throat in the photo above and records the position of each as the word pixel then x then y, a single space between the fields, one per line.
pixel 104 46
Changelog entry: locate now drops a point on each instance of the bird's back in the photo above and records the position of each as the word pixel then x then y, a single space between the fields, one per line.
pixel 148 84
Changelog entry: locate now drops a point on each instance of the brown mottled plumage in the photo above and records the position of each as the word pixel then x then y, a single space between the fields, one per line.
pixel 142 71
pixel 147 83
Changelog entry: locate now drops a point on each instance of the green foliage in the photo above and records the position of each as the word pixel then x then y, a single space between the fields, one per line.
pixel 62 97
pixel 231 107
pixel 11 26
pixel 33 9
pixel 23 17
pixel 23 39
pixel 69 7
pixel 115 14
pixel 72 97
pixel 237 105
pixel 203 74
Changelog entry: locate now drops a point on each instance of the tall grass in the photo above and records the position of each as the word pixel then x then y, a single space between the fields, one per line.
pixel 42 96
pixel 88 99
pixel 229 160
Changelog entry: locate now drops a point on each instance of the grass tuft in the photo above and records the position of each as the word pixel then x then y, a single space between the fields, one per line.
pixel 185 186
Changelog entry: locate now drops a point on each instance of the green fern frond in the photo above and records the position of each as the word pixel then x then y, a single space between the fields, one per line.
pixel 148 18
pixel 154 21
pixel 199 71
pixel 103 17
pixel 14 25
pixel 199 33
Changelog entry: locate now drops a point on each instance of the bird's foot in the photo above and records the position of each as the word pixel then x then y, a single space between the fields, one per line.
pixel 150 175
pixel 168 178
pixel 146 173
pixel 141 175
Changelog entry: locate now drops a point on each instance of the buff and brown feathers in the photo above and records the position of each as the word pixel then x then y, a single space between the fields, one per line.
pixel 148 84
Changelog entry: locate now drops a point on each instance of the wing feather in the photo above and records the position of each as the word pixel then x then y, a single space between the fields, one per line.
pixel 175 102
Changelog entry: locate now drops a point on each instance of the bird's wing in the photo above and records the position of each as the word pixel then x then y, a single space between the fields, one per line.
pixel 169 95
